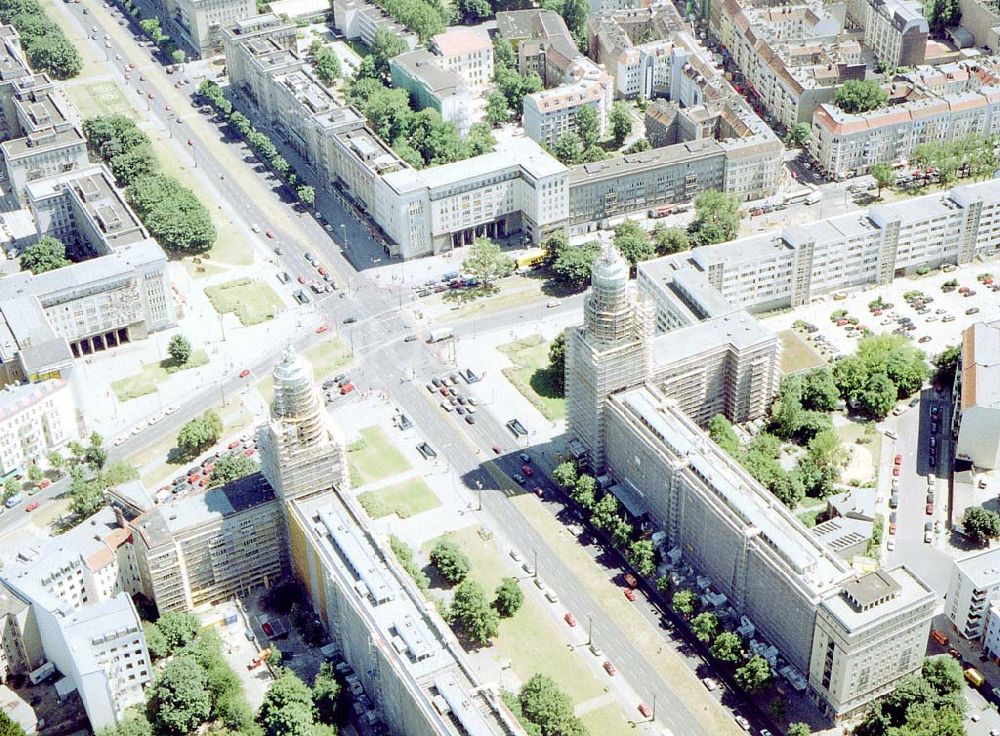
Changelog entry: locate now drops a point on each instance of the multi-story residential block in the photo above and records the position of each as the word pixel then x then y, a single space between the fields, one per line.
pixel 976 395
pixel 419 73
pixel 853 635
pixel 198 24
pixel 209 547
pixel 13 66
pixel 46 140
pixel 541 41
pixel 929 105
pixel 360 19
pixel 468 52
pixel 792 59
pixel 551 113
pixel 78 587
pixel 896 31
pixel 35 419
pixel 790 267
pixel 974 585
pixel 301 451
pixel 413 674
pixel 981 19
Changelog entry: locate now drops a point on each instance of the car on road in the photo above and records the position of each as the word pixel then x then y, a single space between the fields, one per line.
pixel 743 723
pixel 898 460
pixel 321 329
pixel 609 667
pixel 350 320
pixel 645 710
pixel 303 280
pixel 527 470
pixel 270 234
pixel 972 310
pixel 928 532
pixel 930 508
pixel 32 506
pixel 710 683
pixel 244 373
pixel 497 449
pixel 515 555
pixel 519 479
pixel 570 619
pixel 426 450
pixel 410 338
pixel 528 568
pixel 895 470
pixel 595 650
pixel 630 594
pixel 469 419
pixel 346 389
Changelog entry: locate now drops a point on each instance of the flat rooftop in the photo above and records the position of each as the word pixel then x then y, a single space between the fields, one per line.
pixel 41 141
pixel 422 65
pixel 869 599
pixel 639 163
pixel 737 329
pixel 982 568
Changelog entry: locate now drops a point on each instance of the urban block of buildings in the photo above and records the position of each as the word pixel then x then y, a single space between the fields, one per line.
pixel 929 105
pixel 198 24
pixel 430 86
pixel 35 419
pixel 976 396
pixel 361 19
pixel 973 601
pixel 844 636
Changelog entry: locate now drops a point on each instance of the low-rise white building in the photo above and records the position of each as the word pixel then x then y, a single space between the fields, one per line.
pixel 35 419
pixel 468 52
pixel 551 113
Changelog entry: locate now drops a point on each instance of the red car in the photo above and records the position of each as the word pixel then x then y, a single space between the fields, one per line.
pixel 346 389
pixel 898 460
pixel 234 444
pixel 270 234
pixel 610 668
pixel 321 270
pixel 527 470
pixel 249 452
pixel 44 483
pixel 930 509
pixel 31 506
pixel 244 373
pixel 569 619
pixel 645 710
pixel 496 449
pixel 444 391
pixel 630 594
pixel 208 467
pixel 321 329
pixel 303 280
pixel 892 527
pixel 895 471
pixel 194 478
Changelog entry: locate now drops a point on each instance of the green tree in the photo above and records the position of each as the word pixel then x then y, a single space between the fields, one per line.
pixel 568 148
pixel 728 647
pixel 716 218
pixel 199 433
pixel 45 254
pixel 327 64
pixel 819 390
pixel 240 123
pixel 544 704
pixel 721 432
pixel 705 626
pixel 487 262
pixel 633 242
pixel 855 96
pixel 478 140
pixel 306 195
pixel 497 111
pixel 35 473
pixel 287 709
pixel 178 56
pixel 620 122
pixel 54 54
pixel 642 557
pixel 171 213
pixel 479 621
pixel 508 598
pixel 179 349
pixel 621 533
pixel 605 512
pixel 884 176
pixel 503 54
pixel 178 630
pixel 593 153
pixel 584 491
pixel 981 525
pixel 450 562
pixel 177 701
pixel 588 125
pixel 11 487
pixel 473 11
pixel 684 602
pixel 941 14
pixel 557 363
pixel 753 677
pixel 56 460
pixel 799 135
pixel 156 642
pixel 574 264
pixel 943 674
pixel 325 692
pixel 947 359
pixel 386 45
pixel 826 451
pixel 574 12
pixel 799 729
pixel 232 467
pixel 669 240
pixel 8 726
pixel 565 474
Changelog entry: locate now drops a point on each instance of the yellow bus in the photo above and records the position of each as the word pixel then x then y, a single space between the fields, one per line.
pixel 530 259
pixel 974 676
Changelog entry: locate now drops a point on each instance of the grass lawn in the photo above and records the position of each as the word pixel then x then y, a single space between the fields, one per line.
pixel 252 301
pixel 607 719
pixel 531 375
pixel 328 357
pixel 796 354
pixel 153 374
pixel 374 457
pixel 404 499
pixel 530 639
pixel 99 98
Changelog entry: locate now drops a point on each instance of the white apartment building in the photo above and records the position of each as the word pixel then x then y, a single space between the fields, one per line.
pixel 991 639
pixel 896 31
pixel 419 73
pixel 35 419
pixel 976 395
pixel 551 113
pixel 79 587
pixel 201 21
pixel 360 19
pixel 413 674
pixel 853 635
pixel 936 105
pixel 468 52
pixel 975 583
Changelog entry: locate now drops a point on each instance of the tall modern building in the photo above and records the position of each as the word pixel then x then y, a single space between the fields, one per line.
pixel 975 583
pixel 976 395
pixel 300 452
pixel 609 353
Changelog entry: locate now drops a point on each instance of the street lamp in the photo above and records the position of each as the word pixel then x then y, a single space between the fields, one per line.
pixel 194 151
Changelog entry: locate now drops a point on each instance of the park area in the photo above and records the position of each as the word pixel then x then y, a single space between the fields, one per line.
pixel 153 374
pixel 404 499
pixel 796 355
pixel 530 374
pixel 251 301
pixel 373 457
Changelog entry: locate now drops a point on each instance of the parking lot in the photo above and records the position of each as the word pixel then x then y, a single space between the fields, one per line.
pixel 935 322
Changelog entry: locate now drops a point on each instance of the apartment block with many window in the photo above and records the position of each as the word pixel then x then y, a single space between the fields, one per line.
pixel 896 31
pixel 35 419
pixel 974 585
pixel 468 52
